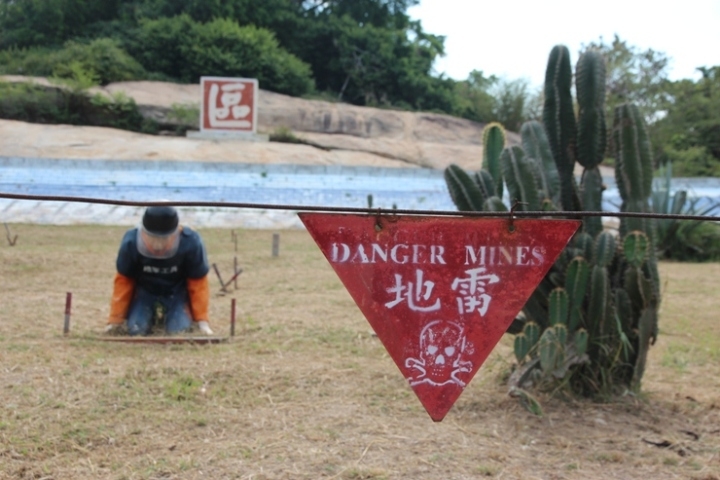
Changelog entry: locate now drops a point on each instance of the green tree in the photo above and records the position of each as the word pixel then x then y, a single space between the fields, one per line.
pixel 514 104
pixel 689 133
pixel 366 52
pixel 369 52
pixel 159 44
pixel 639 77
pixel 102 61
pixel 475 102
pixel 222 47
pixel 186 50
pixel 27 23
pixel 492 99
pixel 378 13
pixel 381 66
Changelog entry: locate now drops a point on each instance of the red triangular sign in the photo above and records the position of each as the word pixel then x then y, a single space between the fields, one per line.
pixel 439 291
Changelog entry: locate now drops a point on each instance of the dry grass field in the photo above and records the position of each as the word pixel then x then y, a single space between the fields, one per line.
pixel 305 391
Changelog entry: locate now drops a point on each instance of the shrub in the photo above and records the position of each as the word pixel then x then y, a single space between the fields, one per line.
pixel 683 240
pixel 184 115
pixel 692 161
pixel 32 103
pixel 118 111
pixel 284 135
pixel 54 105
pixel 158 45
pixel 702 243
pixel 187 50
pixel 102 59
pixel 103 56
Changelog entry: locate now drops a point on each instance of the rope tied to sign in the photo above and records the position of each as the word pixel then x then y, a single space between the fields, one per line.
pixel 512 214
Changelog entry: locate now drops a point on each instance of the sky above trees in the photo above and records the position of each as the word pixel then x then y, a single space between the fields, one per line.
pixel 514 39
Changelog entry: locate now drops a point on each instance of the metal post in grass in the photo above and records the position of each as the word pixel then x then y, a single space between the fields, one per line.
pixel 217 272
pixel 68 303
pixel 275 244
pixel 234 277
pixel 11 240
pixel 232 318
pixel 223 284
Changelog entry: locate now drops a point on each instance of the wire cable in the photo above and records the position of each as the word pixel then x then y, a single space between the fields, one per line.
pixel 375 211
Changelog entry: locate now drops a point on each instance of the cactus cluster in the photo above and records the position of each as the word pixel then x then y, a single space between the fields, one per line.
pixel 592 318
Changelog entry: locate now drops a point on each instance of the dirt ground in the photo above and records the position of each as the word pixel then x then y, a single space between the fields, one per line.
pixel 305 391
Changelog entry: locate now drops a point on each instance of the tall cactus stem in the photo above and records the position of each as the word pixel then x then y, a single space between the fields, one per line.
pixel 591 189
pixel 493 145
pixel 599 295
pixel 592 130
pixel 536 146
pixel 519 177
pixel 521 347
pixel 583 242
pixel 485 183
pixel 633 161
pixel 558 310
pixel 463 190
pixel 559 121
pixel 576 278
pixel 636 248
pixel 605 249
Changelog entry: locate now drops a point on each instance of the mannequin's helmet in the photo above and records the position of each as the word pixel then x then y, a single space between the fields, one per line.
pixel 159 235
pixel 160 220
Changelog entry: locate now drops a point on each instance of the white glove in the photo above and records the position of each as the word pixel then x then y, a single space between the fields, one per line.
pixel 204 327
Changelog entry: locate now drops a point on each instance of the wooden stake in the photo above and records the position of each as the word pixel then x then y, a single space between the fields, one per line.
pixel 12 240
pixel 275 244
pixel 234 277
pixel 68 304
pixel 223 285
pixel 232 318
pixel 217 272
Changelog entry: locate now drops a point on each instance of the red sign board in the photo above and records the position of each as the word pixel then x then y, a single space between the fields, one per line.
pixel 439 291
pixel 228 104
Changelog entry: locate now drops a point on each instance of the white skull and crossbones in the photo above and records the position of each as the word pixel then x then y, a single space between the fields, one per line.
pixel 442 345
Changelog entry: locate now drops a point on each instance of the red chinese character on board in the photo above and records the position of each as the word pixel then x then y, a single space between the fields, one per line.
pixel 229 104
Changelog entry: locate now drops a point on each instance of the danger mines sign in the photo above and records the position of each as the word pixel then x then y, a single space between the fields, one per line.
pixel 439 291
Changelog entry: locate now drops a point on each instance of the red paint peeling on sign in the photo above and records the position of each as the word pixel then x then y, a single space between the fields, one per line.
pixel 439 291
